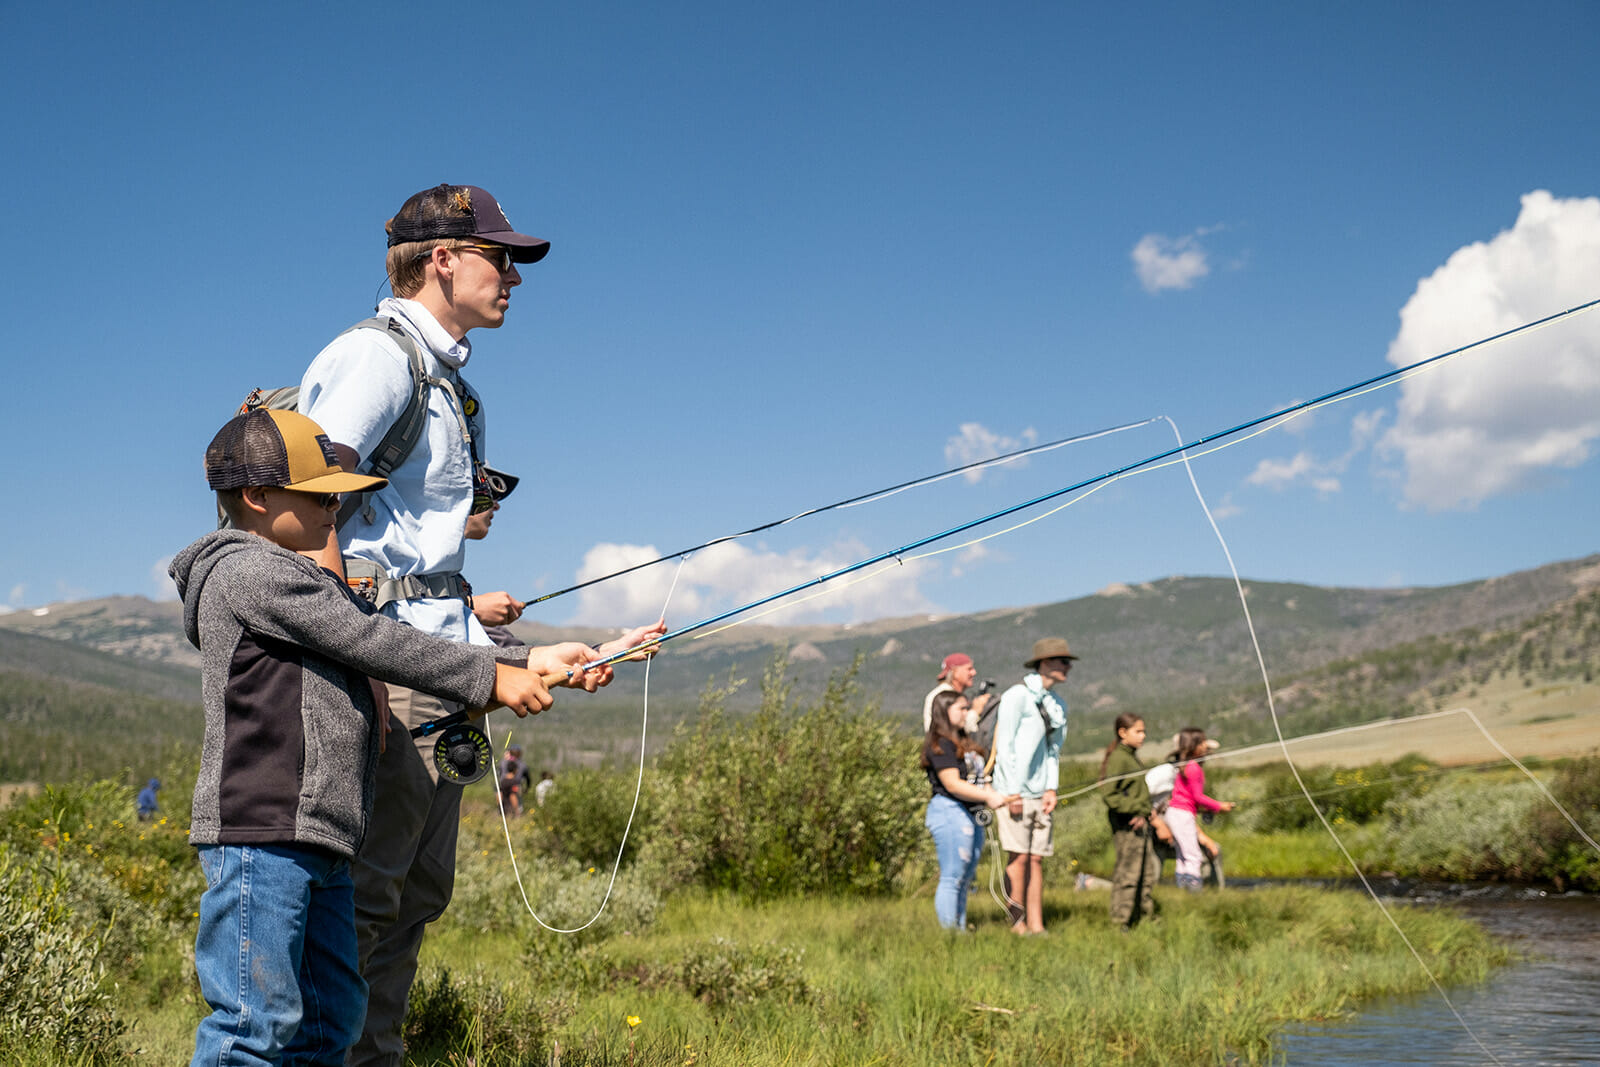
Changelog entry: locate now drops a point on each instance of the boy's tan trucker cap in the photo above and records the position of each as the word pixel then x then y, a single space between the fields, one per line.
pixel 264 446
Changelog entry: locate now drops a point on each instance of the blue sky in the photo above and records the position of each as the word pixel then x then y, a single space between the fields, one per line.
pixel 803 252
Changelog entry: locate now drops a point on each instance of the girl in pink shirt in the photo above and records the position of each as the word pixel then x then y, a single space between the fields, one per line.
pixel 1188 798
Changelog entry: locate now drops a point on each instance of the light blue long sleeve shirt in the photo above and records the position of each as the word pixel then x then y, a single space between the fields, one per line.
pixel 355 389
pixel 1028 731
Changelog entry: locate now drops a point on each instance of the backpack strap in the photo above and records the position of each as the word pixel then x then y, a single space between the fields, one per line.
pixel 366 579
pixel 403 436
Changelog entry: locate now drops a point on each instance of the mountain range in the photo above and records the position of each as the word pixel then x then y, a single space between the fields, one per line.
pixel 1171 649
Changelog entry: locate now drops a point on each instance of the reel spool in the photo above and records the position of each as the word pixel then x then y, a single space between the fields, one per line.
pixel 462 754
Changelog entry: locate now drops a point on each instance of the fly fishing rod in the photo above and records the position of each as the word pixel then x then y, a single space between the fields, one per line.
pixel 863 498
pixel 895 553
pixel 465 753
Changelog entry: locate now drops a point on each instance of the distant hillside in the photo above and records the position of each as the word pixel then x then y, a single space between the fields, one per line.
pixel 1172 650
pixel 129 626
pixel 103 654
pixel 69 710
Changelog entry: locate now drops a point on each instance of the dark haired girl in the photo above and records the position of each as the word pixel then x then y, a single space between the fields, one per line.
pixel 957 837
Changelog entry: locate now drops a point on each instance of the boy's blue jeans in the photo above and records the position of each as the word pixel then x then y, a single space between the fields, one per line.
pixel 276 956
pixel 959 843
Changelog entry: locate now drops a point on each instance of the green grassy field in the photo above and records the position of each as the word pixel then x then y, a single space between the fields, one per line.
pixel 715 977
pixel 764 914
pixel 839 981
pixel 832 981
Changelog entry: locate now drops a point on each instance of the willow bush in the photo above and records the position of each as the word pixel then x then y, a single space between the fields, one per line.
pixel 824 798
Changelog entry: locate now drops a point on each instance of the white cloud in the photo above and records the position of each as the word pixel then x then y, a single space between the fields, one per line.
pixel 730 575
pixel 1163 262
pixel 1227 509
pixel 1321 475
pixel 1300 423
pixel 977 442
pixel 161 584
pixel 1364 428
pixel 969 556
pixel 1279 473
pixel 1502 419
pixel 18 596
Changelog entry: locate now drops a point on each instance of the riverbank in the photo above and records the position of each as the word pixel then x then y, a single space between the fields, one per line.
pixel 1539 1009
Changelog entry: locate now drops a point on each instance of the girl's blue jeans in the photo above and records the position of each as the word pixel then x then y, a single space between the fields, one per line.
pixel 276 957
pixel 959 843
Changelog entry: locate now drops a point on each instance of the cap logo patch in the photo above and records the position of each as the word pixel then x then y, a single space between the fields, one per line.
pixel 328 453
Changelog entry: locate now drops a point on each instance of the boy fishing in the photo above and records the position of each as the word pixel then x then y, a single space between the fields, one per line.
pixel 294 723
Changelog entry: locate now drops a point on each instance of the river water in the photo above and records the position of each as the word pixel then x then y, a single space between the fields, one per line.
pixel 1541 1009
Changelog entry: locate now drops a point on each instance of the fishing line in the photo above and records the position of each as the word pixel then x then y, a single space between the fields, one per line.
pixel 1277 728
pixel 1357 389
pixel 900 562
pixel 1338 790
pixel 997 869
pixel 1265 422
pixel 864 498
pixel 638 788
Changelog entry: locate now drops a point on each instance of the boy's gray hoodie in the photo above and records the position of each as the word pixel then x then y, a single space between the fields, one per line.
pixel 291 750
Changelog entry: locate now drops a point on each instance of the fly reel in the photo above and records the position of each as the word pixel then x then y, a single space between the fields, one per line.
pixel 461 754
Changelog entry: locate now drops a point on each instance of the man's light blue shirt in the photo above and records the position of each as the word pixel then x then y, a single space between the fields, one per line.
pixel 1028 731
pixel 355 389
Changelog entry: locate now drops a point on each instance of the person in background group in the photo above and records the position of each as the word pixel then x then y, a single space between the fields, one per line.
pixel 1188 798
pixel 452 262
pixel 499 609
pixel 146 803
pixel 1028 731
pixel 957 837
pixel 514 778
pixel 956 675
pixel 547 782
pixel 1133 823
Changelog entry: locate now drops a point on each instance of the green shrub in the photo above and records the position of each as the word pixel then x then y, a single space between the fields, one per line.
pixel 1461 830
pixel 1559 851
pixel 53 988
pixel 721 972
pixel 93 823
pixel 479 1021
pixel 584 818
pixel 787 800
pixel 1346 796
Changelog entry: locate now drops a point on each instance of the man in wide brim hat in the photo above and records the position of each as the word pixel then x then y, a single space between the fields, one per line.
pixel 1028 731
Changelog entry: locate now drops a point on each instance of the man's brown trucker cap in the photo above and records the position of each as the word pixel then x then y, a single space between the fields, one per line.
pixel 462 211
pixel 263 446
